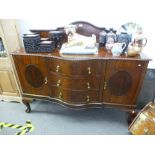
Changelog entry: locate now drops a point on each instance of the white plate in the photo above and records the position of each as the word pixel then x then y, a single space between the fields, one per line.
pixel 131 28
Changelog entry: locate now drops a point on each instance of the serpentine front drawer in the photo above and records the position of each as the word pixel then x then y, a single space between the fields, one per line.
pixel 77 67
pixel 74 96
pixel 75 83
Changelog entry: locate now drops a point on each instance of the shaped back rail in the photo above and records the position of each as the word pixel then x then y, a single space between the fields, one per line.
pixel 83 28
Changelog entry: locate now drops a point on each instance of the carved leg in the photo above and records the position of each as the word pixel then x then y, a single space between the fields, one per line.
pixel 131 115
pixel 27 104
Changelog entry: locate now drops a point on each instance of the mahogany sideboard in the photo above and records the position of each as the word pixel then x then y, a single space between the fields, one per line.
pixel 81 80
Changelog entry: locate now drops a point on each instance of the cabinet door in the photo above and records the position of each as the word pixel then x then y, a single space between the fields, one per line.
pixel 123 80
pixel 32 74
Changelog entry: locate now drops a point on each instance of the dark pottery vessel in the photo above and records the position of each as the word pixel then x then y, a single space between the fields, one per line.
pixel 57 37
pixel 124 37
pixel 102 38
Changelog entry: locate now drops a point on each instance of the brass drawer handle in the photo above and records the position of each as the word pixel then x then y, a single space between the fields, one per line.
pixel 58 83
pixel 57 68
pixel 105 85
pixel 60 95
pixel 88 98
pixel 45 80
pixel 89 70
pixel 88 85
pixel 146 131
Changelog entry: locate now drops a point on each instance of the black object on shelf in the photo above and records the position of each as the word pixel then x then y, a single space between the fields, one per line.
pixel 31 42
pixel 57 37
pixel 102 38
pixel 46 46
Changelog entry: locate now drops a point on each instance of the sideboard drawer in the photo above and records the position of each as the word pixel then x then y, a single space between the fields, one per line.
pixel 74 83
pixel 76 67
pixel 72 96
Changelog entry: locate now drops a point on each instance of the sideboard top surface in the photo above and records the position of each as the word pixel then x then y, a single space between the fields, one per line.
pixel 102 54
pixel 86 29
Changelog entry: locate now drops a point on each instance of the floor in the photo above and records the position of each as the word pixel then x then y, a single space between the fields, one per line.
pixel 54 119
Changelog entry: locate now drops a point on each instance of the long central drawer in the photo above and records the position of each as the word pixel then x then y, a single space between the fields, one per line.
pixel 74 83
pixel 76 67
pixel 72 96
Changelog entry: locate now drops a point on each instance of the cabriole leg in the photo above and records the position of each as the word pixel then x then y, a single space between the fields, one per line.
pixel 131 115
pixel 26 102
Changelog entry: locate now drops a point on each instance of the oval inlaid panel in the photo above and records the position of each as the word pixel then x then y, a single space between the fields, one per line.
pixel 120 83
pixel 34 76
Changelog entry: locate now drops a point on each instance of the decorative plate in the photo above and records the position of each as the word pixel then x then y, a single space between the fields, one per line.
pixel 131 28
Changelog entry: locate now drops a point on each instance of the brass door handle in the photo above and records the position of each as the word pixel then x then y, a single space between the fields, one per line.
pixel 105 85
pixel 146 131
pixel 88 98
pixel 45 80
pixel 58 83
pixel 60 95
pixel 57 68
pixel 88 85
pixel 89 70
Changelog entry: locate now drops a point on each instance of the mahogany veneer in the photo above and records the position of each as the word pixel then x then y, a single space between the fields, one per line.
pixel 81 80
pixel 87 80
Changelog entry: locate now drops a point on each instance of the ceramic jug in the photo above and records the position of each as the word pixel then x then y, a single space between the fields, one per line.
pixel 111 36
pixel 139 40
pixel 110 39
pixel 124 37
pixel 134 50
pixel 118 48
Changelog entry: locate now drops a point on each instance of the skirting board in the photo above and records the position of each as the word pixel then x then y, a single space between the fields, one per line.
pixel 11 98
